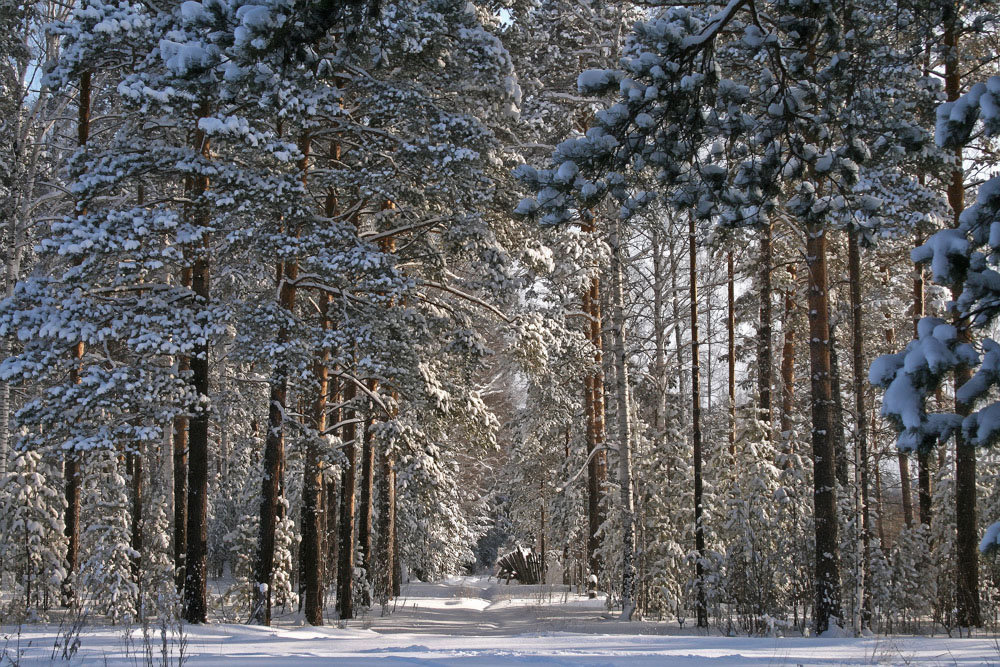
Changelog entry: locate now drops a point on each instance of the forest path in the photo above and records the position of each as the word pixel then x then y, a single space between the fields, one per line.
pixel 484 606
pixel 481 622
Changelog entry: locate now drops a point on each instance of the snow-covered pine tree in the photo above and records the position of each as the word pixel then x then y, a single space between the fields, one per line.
pixel 107 580
pixel 675 116
pixel 960 257
pixel 32 551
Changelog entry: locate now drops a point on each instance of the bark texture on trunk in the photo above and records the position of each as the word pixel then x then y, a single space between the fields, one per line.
pixel 134 466
pixel 906 489
pixel 366 510
pixel 272 484
pixel 624 428
pixel 313 510
pixel 966 543
pixel 180 466
pixel 765 363
pixel 196 561
pixel 383 561
pixel 594 400
pixel 731 348
pixel 385 574
pixel 827 577
pixel 71 466
pixel 902 458
pixel 923 456
pixel 71 475
pixel 861 411
pixel 699 527
pixel 837 414
pixel 345 562
pixel 788 367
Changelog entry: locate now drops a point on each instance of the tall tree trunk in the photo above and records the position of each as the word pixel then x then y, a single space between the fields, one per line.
pixel 827 583
pixel 906 490
pixel 196 562
pixel 924 455
pixel 860 410
pixel 541 530
pixel 274 441
pixel 331 501
pixel 345 563
pixel 879 514
pixel 659 352
pixel 788 367
pixel 315 511
pixel 598 462
pixel 699 526
pixel 311 548
pixel 180 463
pixel 837 414
pixel 966 543
pixel 397 563
pixel 71 467
pixel 384 556
pixel 902 458
pixel 366 510
pixel 731 338
pixel 765 363
pixel 383 561
pixel 624 428
pixel 332 484
pixel 134 466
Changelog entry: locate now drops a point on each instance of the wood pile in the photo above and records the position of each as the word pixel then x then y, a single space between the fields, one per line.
pixel 520 564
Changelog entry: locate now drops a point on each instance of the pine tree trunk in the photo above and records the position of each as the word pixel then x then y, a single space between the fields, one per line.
pixel 384 574
pixel 318 511
pixel 788 367
pixel 624 428
pixel 366 509
pixel 13 271
pixel 134 465
pixel 541 530
pixel 594 400
pixel 731 350
pixel 397 564
pixel 274 441
pixel 699 527
pixel 659 352
pixel 966 543
pixel 860 409
pixel 71 475
pixel 196 561
pixel 765 363
pixel 906 490
pixel 314 512
pixel 180 464
pixel 902 459
pixel 837 414
pixel 5 405
pixel 345 563
pixel 384 555
pixel 5 409
pixel 827 578
pixel 71 467
pixel 332 541
pixel 923 456
pixel 180 497
pixel 332 484
pixel 879 515
pixel 274 454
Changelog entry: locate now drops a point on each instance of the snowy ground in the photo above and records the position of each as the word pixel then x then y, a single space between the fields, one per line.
pixel 477 621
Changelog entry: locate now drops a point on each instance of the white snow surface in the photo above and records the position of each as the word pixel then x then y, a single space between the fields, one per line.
pixel 479 621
